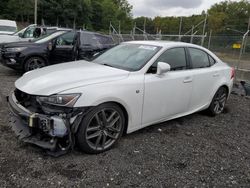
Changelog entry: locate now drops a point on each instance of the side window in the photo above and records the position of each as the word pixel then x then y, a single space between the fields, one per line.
pixel 28 33
pixel 175 57
pixel 88 39
pixel 104 40
pixel 211 60
pixel 66 39
pixel 199 58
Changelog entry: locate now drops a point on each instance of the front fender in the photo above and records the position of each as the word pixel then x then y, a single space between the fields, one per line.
pixel 127 92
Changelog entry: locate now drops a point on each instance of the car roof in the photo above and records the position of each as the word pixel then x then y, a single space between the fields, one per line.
pixel 8 23
pixel 91 32
pixel 165 44
pixel 58 28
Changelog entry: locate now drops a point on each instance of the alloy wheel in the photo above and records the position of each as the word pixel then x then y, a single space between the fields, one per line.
pixel 104 129
pixel 220 101
pixel 35 63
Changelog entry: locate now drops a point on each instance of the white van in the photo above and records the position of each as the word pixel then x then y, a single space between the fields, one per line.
pixel 7 27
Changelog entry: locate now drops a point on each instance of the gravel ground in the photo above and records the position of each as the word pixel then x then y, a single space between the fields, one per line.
pixel 193 151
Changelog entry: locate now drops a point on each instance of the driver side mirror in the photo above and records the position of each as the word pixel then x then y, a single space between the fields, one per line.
pixel 162 68
pixel 20 35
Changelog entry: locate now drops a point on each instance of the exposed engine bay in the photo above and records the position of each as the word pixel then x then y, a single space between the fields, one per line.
pixel 48 126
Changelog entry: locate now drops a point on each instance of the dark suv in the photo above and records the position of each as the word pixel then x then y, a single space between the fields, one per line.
pixel 58 47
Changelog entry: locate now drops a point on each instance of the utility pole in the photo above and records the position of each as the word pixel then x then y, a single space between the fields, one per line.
pixel 144 28
pixel 192 35
pixel 241 50
pixel 119 31
pixel 180 29
pixel 245 43
pixel 144 25
pixel 134 29
pixel 204 30
pixel 248 26
pixel 209 41
pixel 35 13
pixel 110 32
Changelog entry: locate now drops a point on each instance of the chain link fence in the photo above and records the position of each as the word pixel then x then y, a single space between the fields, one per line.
pixel 227 47
pixel 230 50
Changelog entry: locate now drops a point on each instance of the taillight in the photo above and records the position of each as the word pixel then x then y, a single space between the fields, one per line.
pixel 232 73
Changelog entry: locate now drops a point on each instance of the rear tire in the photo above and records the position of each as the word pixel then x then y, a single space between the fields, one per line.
pixel 33 63
pixel 101 128
pixel 218 103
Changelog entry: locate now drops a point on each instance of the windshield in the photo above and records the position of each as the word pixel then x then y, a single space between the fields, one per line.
pixel 131 57
pixel 48 37
pixel 26 28
pixel 16 33
pixel 7 28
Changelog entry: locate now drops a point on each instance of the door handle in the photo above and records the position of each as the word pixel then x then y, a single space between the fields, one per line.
pixel 187 80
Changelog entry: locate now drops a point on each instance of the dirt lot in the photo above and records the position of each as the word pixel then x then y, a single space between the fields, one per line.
pixel 196 150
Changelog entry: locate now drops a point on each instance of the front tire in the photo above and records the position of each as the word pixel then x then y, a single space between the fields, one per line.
pixel 218 103
pixel 33 63
pixel 101 128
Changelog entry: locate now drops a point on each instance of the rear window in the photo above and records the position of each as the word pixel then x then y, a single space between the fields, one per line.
pixel 88 39
pixel 199 58
pixel 104 39
pixel 92 39
pixel 212 60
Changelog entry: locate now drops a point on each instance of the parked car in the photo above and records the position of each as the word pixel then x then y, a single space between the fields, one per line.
pixel 29 33
pixel 7 27
pixel 129 87
pixel 61 46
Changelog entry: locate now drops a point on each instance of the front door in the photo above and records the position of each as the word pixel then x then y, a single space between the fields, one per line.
pixel 169 94
pixel 63 50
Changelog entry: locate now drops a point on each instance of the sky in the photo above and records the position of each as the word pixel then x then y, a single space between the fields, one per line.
pixel 153 8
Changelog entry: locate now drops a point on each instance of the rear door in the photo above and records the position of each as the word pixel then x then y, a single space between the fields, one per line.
pixel 204 80
pixel 63 50
pixel 168 95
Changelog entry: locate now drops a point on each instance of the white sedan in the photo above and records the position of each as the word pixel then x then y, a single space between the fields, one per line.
pixel 131 86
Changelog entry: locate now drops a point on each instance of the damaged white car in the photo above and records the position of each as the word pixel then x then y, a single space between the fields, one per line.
pixel 131 86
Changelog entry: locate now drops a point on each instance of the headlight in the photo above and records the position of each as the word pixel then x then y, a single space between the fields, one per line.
pixel 67 100
pixel 19 49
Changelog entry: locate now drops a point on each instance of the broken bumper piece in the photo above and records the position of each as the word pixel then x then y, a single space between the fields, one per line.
pixel 41 130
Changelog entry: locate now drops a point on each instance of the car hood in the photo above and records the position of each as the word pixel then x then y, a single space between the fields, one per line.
pixel 57 78
pixel 20 44
pixel 9 38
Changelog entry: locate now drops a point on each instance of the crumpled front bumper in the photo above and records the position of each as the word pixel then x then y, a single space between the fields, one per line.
pixel 22 123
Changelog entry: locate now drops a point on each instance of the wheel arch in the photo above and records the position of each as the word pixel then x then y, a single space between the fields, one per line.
pixel 226 87
pixel 217 88
pixel 35 55
pixel 125 113
pixel 123 108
